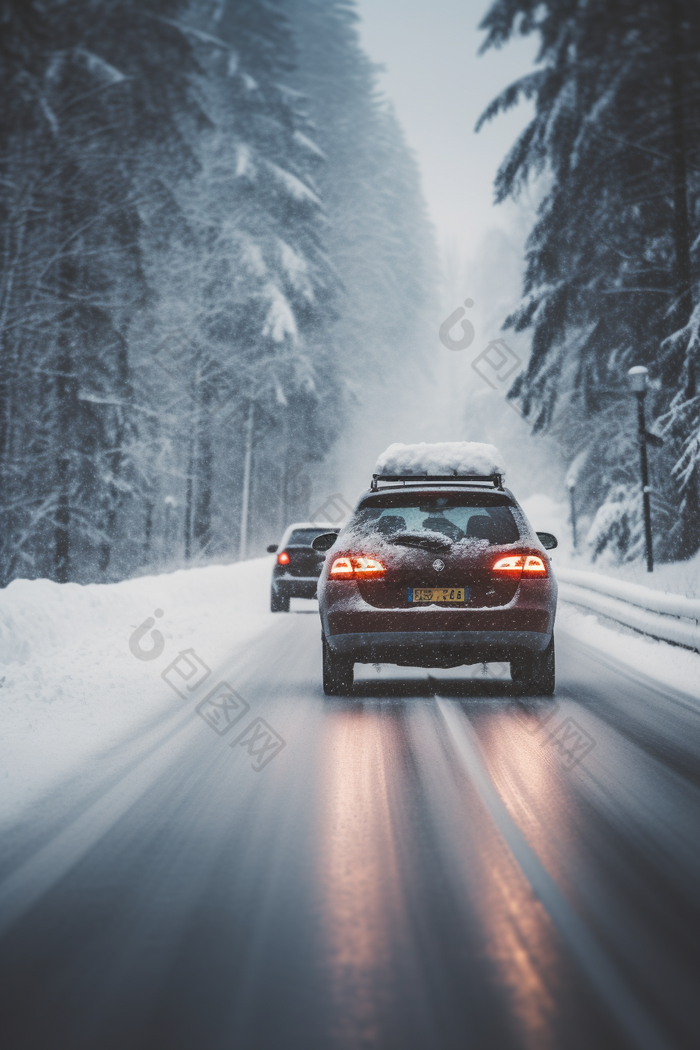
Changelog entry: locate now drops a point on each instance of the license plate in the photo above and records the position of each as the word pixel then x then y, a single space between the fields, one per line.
pixel 439 594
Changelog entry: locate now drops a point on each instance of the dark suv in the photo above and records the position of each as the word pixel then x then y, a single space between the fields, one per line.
pixel 438 572
pixel 298 565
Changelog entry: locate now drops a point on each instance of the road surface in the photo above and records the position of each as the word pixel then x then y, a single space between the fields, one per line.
pixel 432 863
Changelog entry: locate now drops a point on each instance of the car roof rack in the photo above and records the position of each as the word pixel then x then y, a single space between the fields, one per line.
pixel 496 480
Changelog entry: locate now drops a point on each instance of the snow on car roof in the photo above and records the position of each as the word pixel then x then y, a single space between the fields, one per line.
pixel 441 458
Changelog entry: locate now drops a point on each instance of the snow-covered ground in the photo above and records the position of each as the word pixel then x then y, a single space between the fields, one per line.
pixel 670 665
pixel 72 687
pixel 681 577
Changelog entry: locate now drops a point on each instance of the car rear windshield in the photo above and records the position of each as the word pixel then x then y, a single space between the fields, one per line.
pixel 458 516
pixel 305 537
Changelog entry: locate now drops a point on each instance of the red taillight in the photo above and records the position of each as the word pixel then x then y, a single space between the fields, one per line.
pixel 534 566
pixel 341 568
pixel 283 558
pixel 513 563
pixel 347 568
pixel 367 566
pixel 521 565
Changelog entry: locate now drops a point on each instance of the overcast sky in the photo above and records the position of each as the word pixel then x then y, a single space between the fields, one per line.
pixel 440 86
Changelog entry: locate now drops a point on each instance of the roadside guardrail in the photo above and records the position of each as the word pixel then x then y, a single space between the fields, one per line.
pixel 669 617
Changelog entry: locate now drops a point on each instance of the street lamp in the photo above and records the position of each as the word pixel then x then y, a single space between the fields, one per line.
pixel 638 385
pixel 571 485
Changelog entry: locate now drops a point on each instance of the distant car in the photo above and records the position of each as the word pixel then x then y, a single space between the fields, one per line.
pixel 438 572
pixel 298 565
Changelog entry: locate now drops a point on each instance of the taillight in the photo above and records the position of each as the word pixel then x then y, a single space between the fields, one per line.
pixel 513 563
pixel 341 568
pixel 283 558
pixel 367 566
pixel 521 565
pixel 347 568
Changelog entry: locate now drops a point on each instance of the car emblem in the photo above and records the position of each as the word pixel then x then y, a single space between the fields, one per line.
pixel 438 565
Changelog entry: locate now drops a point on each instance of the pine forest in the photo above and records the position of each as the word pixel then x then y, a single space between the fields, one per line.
pixel 204 227
pixel 613 269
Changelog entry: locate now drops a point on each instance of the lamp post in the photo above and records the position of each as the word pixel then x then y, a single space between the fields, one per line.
pixel 638 385
pixel 571 485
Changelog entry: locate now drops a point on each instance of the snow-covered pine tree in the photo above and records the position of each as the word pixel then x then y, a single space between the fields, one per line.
pixel 75 170
pixel 240 284
pixel 23 49
pixel 612 274
pixel 380 241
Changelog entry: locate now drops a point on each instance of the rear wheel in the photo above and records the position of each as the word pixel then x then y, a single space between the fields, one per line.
pixel 338 671
pixel 279 602
pixel 535 672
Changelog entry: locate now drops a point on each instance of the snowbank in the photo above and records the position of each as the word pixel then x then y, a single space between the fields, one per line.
pixel 666 628
pixel 443 457
pixel 680 577
pixel 670 666
pixel 634 593
pixel 659 614
pixel 71 685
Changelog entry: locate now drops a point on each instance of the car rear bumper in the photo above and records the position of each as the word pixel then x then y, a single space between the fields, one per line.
pixel 436 636
pixel 295 586
pixel 437 648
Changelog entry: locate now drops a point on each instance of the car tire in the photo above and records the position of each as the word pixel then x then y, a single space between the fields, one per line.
pixel 279 602
pixel 338 672
pixel 534 673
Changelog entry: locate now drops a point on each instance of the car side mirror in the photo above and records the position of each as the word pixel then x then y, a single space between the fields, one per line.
pixel 272 549
pixel 324 542
pixel 548 541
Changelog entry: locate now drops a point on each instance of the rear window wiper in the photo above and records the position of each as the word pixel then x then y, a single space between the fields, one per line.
pixel 433 543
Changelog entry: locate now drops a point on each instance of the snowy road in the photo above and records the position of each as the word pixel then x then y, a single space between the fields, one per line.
pixel 432 864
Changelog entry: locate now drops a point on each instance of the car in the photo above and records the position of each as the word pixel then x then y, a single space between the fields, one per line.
pixel 438 570
pixel 298 565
